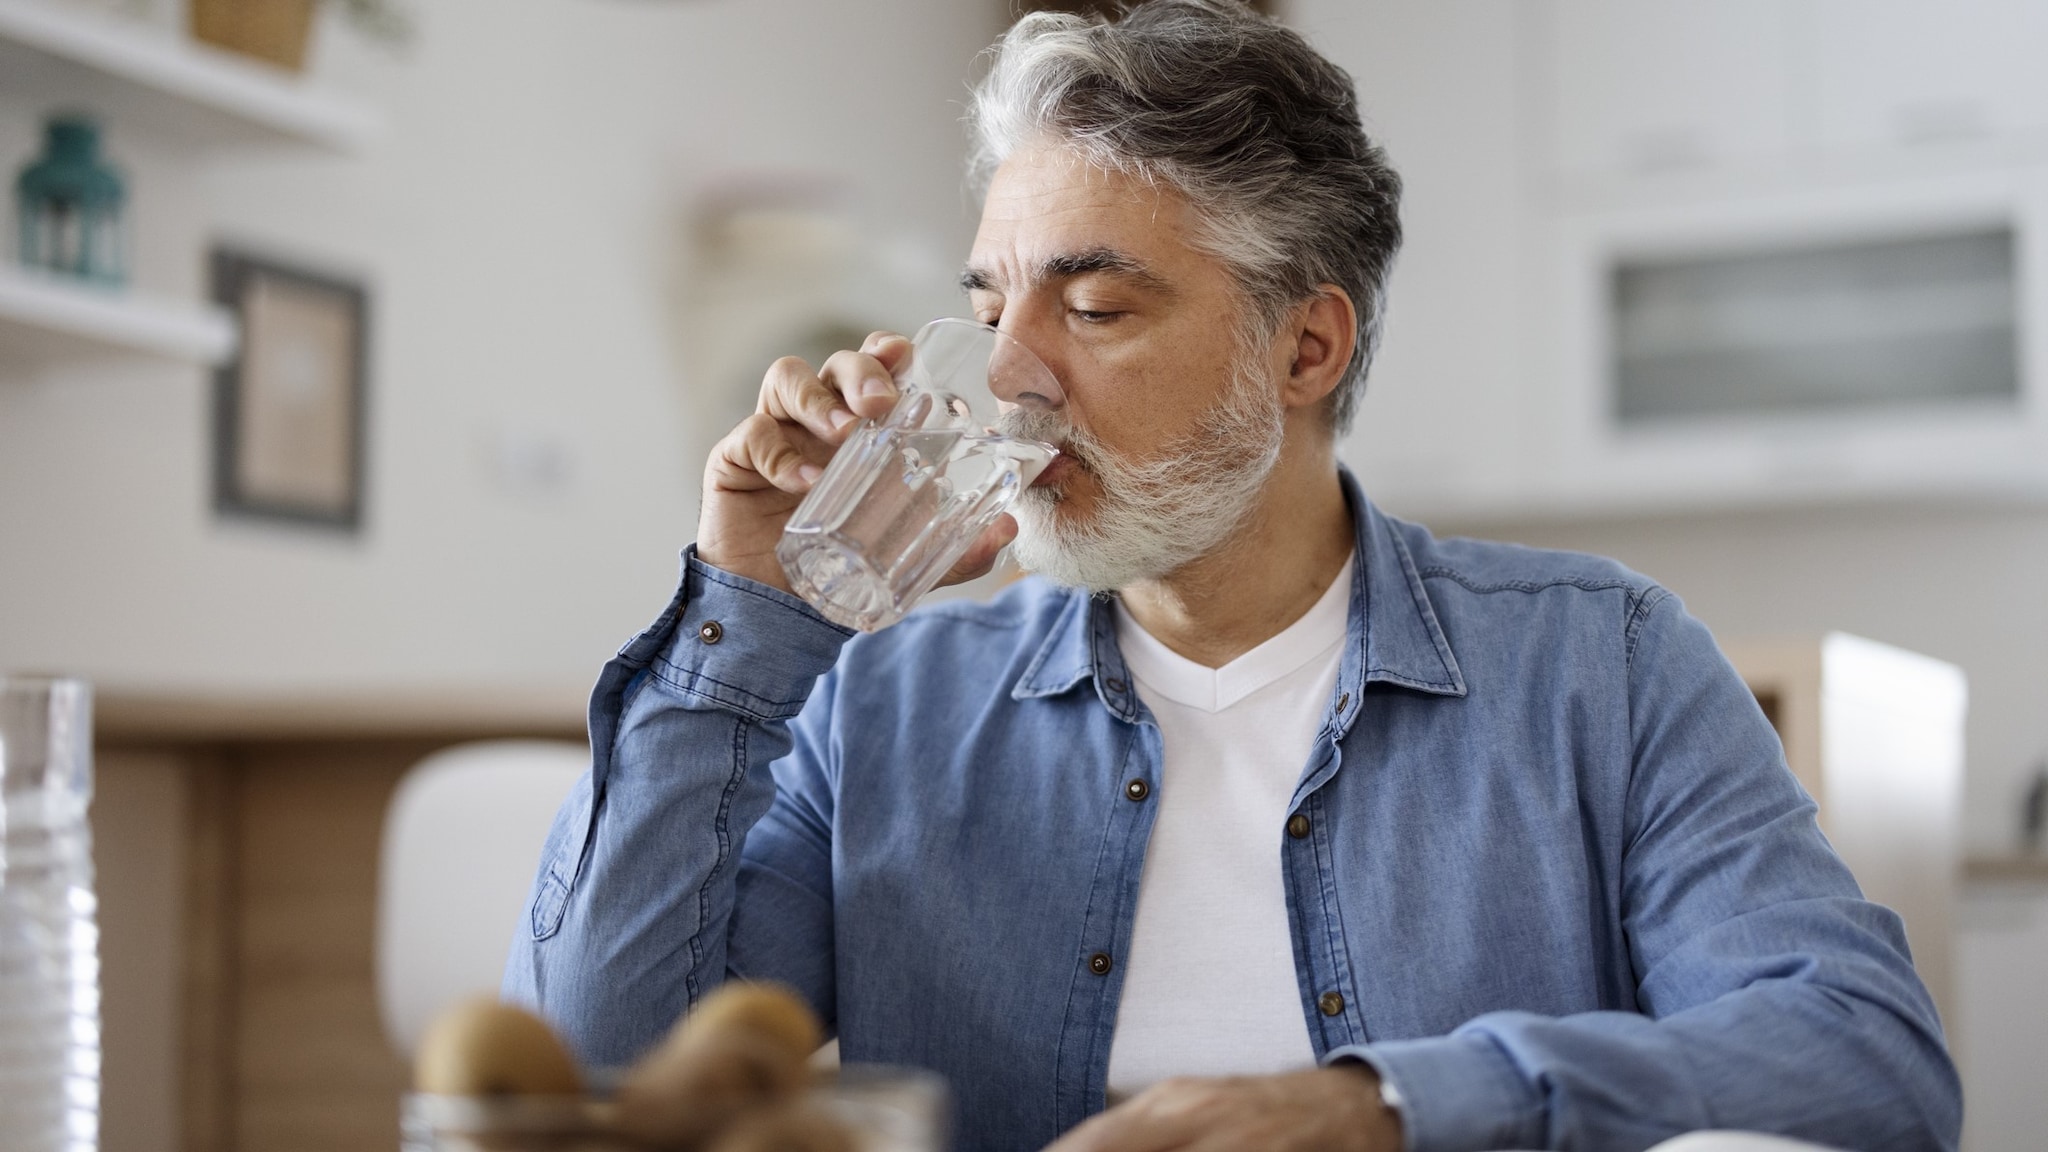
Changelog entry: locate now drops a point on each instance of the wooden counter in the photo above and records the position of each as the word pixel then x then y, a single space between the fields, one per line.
pixel 2006 870
pixel 126 717
pixel 239 839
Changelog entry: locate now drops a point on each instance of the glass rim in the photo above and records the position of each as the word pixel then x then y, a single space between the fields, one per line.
pixel 1046 386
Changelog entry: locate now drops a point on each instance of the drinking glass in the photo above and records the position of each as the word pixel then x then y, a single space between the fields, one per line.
pixel 890 1109
pixel 904 498
pixel 49 939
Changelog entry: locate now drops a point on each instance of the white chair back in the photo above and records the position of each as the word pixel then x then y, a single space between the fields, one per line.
pixel 462 841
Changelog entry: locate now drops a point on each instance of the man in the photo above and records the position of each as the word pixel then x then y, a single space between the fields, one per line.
pixel 1267 821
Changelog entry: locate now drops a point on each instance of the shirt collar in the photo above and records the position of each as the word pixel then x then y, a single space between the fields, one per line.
pixel 1393 635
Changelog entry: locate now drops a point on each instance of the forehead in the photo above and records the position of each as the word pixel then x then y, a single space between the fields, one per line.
pixel 1045 205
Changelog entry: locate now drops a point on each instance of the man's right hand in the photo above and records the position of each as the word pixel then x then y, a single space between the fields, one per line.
pixel 761 471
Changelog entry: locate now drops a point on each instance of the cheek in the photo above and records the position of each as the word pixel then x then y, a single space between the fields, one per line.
pixel 1113 399
pixel 1137 401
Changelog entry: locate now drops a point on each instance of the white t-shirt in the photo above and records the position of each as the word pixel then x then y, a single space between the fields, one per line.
pixel 1209 984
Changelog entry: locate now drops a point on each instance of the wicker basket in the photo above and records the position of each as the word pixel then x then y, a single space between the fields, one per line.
pixel 272 30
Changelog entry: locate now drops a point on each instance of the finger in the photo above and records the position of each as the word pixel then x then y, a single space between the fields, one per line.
pixel 1133 1126
pixel 791 391
pixel 863 381
pixel 891 348
pixel 981 556
pixel 1098 1133
pixel 1114 1131
pixel 766 453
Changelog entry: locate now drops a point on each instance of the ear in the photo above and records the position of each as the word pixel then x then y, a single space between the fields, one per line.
pixel 1325 331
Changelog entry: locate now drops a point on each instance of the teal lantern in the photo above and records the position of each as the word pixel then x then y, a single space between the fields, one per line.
pixel 69 203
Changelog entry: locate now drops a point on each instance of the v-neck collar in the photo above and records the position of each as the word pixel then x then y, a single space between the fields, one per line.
pixel 1315 635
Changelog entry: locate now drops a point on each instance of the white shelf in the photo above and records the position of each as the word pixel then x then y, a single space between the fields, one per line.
pixel 43 318
pixel 149 80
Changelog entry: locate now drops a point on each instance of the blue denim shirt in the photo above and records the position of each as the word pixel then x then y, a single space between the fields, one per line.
pixel 1557 876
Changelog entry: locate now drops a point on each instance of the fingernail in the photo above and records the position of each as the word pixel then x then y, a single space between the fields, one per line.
pixel 877 386
pixel 841 418
pixel 810 472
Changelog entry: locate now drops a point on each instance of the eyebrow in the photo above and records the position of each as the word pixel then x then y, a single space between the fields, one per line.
pixel 1089 261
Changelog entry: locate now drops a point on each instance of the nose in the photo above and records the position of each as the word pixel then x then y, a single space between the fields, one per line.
pixel 1019 377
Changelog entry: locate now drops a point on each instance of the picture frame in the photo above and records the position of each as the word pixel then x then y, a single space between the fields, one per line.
pixel 289 409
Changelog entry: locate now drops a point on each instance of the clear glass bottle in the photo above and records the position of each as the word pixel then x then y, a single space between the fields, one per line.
pixel 68 202
pixel 49 923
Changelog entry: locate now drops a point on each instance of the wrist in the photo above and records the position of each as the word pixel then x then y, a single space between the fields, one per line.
pixel 1381 1130
pixel 760 567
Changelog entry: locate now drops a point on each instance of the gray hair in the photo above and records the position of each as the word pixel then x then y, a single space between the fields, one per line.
pixel 1239 115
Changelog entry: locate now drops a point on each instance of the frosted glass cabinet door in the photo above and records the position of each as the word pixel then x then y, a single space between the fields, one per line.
pixel 1895 73
pixel 1644 85
pixel 1918 322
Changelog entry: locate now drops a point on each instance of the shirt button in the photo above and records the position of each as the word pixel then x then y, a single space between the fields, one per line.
pixel 1113 684
pixel 1099 964
pixel 1343 702
pixel 711 632
pixel 1297 826
pixel 1137 790
pixel 1330 1003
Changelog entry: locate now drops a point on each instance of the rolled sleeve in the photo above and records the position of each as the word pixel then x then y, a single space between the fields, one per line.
pixel 1457 1093
pixel 738 645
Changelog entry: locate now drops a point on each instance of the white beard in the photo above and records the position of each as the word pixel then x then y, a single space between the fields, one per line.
pixel 1153 517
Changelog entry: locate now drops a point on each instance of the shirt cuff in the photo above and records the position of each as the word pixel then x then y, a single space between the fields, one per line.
pixel 1457 1093
pixel 737 644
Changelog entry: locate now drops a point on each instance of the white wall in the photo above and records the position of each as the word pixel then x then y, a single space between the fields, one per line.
pixel 1440 85
pixel 522 228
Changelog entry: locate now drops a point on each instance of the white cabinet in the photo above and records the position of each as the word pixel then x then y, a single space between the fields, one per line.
pixel 1694 131
pixel 1908 73
pixel 2002 1010
pixel 1648 85
pixel 1593 459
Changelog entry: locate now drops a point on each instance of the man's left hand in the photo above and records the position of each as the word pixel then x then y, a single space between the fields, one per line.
pixel 1334 1109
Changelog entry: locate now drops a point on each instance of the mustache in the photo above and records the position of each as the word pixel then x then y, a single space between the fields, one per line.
pixel 1034 424
pixel 1049 427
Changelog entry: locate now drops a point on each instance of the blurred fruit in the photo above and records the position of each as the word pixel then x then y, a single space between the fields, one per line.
pixel 484 1048
pixel 770 1010
pixel 743 1048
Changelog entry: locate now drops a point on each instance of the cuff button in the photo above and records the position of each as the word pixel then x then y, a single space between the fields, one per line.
pixel 711 632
